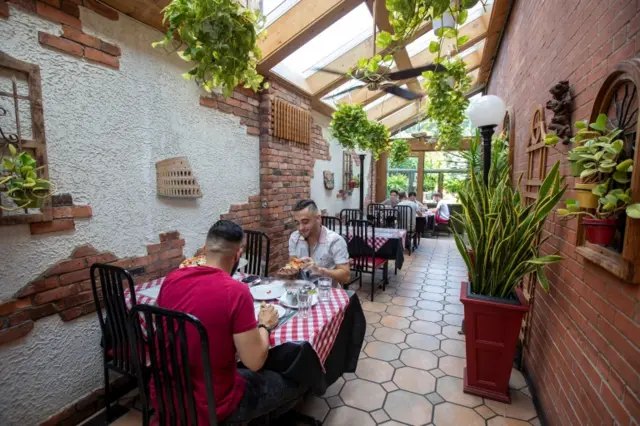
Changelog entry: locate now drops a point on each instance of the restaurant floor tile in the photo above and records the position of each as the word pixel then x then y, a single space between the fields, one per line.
pixel 410 369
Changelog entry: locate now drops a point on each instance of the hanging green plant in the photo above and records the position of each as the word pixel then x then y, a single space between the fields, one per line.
pixel 220 38
pixel 21 183
pixel 353 130
pixel 399 150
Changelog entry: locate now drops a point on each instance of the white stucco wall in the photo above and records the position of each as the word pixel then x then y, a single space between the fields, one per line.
pixel 324 198
pixel 105 130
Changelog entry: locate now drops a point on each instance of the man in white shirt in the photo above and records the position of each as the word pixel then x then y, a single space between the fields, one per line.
pixel 413 199
pixel 442 209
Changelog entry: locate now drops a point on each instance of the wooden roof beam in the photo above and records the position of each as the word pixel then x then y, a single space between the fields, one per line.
pixel 497 24
pixel 297 26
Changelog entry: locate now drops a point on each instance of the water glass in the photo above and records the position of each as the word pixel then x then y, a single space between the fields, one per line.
pixel 324 289
pixel 303 302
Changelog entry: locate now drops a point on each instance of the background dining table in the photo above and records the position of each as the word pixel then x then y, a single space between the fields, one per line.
pixel 314 351
pixel 388 243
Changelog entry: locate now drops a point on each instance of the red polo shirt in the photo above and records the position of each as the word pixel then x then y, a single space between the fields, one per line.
pixel 224 306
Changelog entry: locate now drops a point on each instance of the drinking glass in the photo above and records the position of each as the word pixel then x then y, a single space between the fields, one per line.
pixel 324 289
pixel 303 302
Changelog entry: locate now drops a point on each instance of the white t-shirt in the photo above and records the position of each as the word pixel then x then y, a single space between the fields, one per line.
pixel 443 210
pixel 414 209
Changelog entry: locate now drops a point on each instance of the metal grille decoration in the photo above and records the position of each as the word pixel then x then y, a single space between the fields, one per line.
pixel 291 123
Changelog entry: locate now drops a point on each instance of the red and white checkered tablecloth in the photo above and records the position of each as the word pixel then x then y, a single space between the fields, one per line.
pixel 320 328
pixel 383 235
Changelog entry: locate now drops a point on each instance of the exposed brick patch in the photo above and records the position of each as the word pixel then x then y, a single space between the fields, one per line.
pixel 64 213
pixel 14 333
pixel 101 9
pixel 243 103
pixel 62 200
pixel 583 352
pixel 78 36
pixel 28 5
pixel 82 211
pixel 101 57
pixel 65 288
pixel 58 43
pixel 54 226
pixel 53 13
pixel 4 9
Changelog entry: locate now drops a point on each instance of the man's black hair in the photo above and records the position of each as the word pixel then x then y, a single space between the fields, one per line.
pixel 225 230
pixel 303 204
pixel 394 190
pixel 412 193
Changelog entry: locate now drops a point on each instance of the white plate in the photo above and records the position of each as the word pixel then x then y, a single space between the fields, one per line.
pixel 280 309
pixel 282 300
pixel 267 291
pixel 151 292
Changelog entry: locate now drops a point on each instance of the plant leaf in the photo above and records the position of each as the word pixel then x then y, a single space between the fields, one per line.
pixel 600 124
pixel 633 211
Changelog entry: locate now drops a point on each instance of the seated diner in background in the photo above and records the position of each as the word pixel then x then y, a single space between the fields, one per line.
pixel 324 250
pixel 419 205
pixel 225 308
pixel 404 201
pixel 442 208
pixel 392 200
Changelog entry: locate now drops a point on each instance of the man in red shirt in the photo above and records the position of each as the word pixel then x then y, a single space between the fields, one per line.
pixel 225 308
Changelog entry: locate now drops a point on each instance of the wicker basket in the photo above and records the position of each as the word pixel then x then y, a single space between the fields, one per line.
pixel 175 179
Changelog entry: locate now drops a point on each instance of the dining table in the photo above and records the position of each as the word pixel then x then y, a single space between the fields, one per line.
pixel 314 351
pixel 388 244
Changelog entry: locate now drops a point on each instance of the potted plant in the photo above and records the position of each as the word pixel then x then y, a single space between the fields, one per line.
pixel 219 37
pixel 20 181
pixel 353 130
pixel 503 235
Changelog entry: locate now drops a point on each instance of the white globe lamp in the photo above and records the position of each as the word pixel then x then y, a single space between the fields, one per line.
pixel 486 113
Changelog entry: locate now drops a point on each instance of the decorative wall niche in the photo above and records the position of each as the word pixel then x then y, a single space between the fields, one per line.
pixel 175 179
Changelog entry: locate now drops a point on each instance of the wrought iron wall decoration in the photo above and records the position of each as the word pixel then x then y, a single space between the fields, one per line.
pixel 561 104
pixel 328 179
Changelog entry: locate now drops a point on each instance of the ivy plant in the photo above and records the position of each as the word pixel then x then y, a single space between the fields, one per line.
pixel 219 37
pixel 353 130
pixel 399 151
pixel 21 183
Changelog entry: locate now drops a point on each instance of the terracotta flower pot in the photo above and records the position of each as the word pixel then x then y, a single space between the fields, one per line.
pixel 586 199
pixel 492 327
pixel 599 231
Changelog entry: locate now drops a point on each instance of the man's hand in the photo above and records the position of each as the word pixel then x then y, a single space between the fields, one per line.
pixel 268 316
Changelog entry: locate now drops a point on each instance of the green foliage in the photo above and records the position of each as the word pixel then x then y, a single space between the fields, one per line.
pixel 399 151
pixel 408 163
pixel 398 182
pixel 454 185
pixel 499 158
pixel 353 130
pixel 371 68
pixel 503 233
pixel 220 38
pixel 23 186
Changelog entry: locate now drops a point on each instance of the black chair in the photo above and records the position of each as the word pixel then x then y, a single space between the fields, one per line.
pixel 166 341
pixel 363 256
pixel 257 245
pixel 333 223
pixel 406 221
pixel 116 354
pixel 347 215
pixel 381 215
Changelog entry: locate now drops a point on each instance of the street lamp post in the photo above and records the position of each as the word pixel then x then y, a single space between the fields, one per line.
pixel 362 182
pixel 485 114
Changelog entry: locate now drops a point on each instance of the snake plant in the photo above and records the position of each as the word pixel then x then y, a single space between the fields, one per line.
pixel 503 233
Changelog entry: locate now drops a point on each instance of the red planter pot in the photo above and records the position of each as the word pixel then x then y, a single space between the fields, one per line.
pixel 492 327
pixel 599 231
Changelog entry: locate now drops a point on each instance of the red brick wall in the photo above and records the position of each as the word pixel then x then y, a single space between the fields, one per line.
pixel 583 352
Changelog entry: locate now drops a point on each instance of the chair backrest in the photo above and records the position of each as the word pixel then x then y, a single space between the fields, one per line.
pixel 379 213
pixel 169 355
pixel 333 223
pixel 347 215
pixel 361 238
pixel 108 284
pixel 257 246
pixel 406 218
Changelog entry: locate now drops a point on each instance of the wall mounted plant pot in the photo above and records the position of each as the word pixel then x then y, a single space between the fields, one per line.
pixel 599 231
pixel 586 199
pixel 445 21
pixel 492 327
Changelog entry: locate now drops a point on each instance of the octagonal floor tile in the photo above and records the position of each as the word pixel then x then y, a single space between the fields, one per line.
pixel 382 298
pixel 521 407
pixel 335 388
pixel 453 299
pixel 414 380
pixel 453 347
pixel 348 416
pixel 426 327
pixel 452 366
pixel 453 319
pixel 432 296
pixel 419 359
pixel 363 395
pixel 399 311
pixel 315 407
pixel 374 370
pixel 430 305
pixel 505 421
pixel 374 307
pixel 389 335
pixel 408 293
pixel 393 321
pixel 433 289
pixel 451 331
pixel 372 317
pixel 403 301
pixel 423 341
pixel 381 350
pixel 448 414
pixel 427 315
pixel 408 408
pixel 450 388
pixel 454 309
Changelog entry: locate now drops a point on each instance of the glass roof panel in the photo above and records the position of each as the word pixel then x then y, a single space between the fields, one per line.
pixel 332 102
pixel 273 9
pixel 341 36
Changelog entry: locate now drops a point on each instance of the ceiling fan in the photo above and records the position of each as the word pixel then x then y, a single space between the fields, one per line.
pixel 384 79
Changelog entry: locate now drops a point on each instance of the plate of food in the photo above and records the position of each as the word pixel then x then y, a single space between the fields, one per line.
pixel 290 299
pixel 281 311
pixel 270 291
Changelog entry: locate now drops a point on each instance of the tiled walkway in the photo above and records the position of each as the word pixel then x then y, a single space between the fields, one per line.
pixel 410 369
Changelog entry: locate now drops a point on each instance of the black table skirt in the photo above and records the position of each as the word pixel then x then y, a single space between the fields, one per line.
pixel 299 362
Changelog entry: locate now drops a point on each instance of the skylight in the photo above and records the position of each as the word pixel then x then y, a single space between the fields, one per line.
pixel 273 9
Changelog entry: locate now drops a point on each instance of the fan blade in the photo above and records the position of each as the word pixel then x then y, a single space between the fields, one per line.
pixel 351 89
pixel 414 72
pixel 399 91
pixel 330 71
